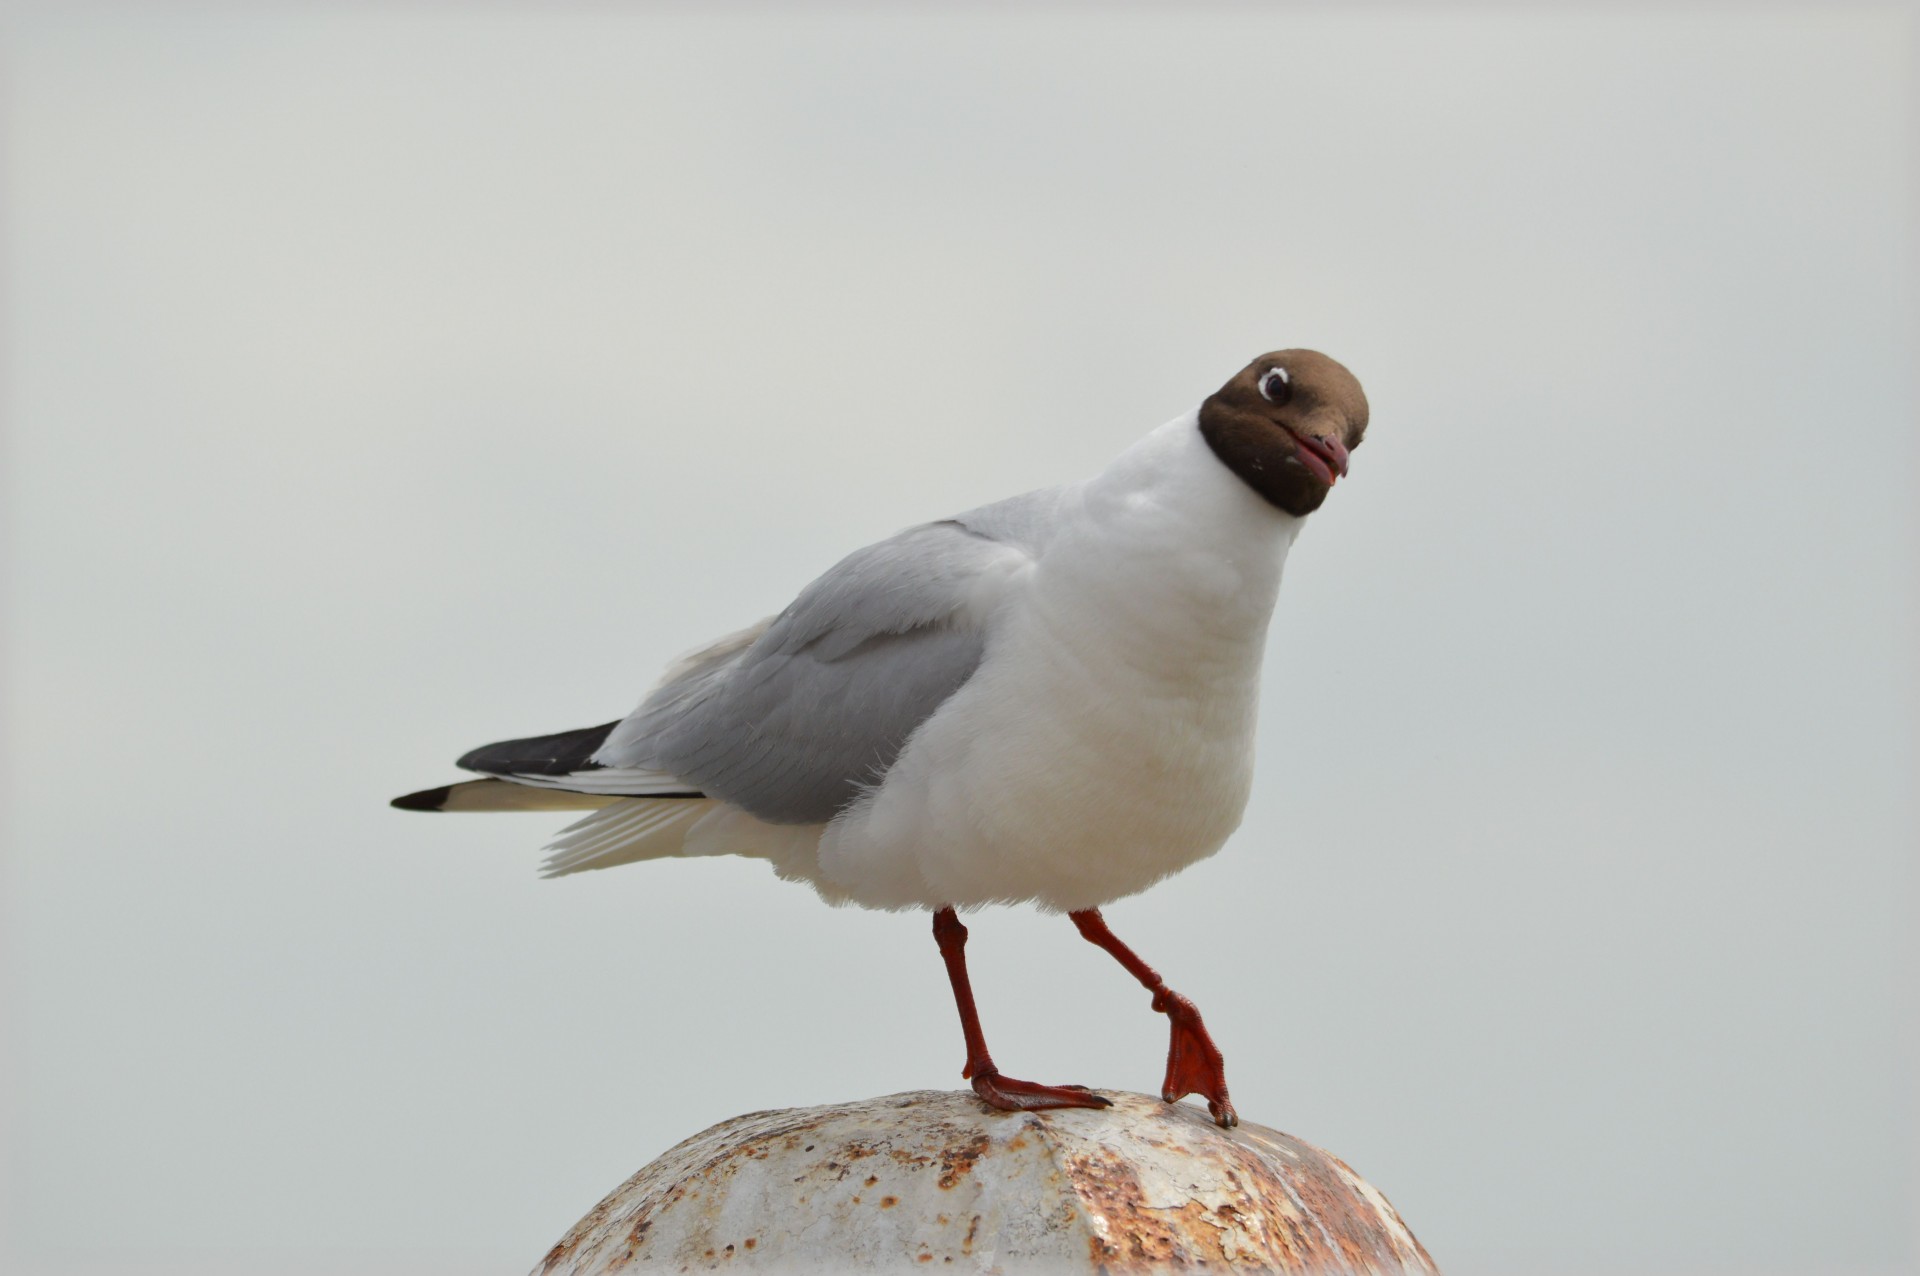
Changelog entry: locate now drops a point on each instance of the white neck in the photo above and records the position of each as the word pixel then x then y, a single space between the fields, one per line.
pixel 1171 540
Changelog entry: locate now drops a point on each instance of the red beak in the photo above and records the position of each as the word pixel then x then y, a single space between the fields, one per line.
pixel 1326 457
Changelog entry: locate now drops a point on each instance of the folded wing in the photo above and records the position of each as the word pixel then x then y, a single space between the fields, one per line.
pixel 798 721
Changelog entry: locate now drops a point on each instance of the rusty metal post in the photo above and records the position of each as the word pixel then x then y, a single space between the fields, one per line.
pixel 936 1180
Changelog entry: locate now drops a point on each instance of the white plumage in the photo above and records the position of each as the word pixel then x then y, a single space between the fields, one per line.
pixel 1104 740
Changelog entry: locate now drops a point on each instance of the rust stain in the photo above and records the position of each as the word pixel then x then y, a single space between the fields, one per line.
pixel 1139 1237
pixel 1304 1213
pixel 956 1162
pixel 1162 1189
pixel 1420 1251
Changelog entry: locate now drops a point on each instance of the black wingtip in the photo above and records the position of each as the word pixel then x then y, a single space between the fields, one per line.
pixel 424 800
pixel 559 754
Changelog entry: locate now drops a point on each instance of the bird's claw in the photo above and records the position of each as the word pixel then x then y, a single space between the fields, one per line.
pixel 1194 1063
pixel 1010 1094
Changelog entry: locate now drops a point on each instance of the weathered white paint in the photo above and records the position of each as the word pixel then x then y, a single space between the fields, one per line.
pixel 935 1180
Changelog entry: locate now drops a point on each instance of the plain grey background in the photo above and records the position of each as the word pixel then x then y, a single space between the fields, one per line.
pixel 383 381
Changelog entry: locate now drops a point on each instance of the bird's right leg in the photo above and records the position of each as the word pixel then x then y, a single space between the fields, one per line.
pixel 1005 1093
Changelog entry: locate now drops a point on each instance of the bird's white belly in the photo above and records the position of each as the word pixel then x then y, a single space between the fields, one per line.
pixel 1105 742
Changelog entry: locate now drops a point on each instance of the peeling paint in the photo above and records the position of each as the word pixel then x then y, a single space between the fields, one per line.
pixel 1142 1186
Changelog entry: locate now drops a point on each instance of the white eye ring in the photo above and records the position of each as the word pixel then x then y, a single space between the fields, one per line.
pixel 1275 385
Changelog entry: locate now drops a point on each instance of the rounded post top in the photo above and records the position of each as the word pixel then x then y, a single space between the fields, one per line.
pixel 935 1180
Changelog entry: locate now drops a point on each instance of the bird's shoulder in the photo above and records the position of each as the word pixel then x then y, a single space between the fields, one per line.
pixel 950 571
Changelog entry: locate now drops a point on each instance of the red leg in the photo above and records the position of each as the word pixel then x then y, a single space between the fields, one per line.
pixel 1001 1092
pixel 1194 1065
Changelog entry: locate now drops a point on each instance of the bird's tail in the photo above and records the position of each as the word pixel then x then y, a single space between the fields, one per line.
pixel 621 829
pixel 618 830
pixel 500 795
pixel 655 828
pixel 627 830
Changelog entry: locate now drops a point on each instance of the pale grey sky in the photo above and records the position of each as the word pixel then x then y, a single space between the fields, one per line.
pixel 380 383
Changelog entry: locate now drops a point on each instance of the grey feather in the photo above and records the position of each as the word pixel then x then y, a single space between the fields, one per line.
pixel 793 726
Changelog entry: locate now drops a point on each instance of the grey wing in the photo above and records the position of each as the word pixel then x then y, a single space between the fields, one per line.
pixel 792 727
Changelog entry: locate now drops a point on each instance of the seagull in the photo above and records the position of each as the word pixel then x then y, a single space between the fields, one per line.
pixel 1045 700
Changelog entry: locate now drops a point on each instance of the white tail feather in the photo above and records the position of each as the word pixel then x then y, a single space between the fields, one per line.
pixel 630 829
pixel 657 828
pixel 504 795
pixel 613 781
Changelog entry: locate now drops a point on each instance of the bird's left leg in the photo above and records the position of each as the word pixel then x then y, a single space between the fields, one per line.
pixel 1194 1065
pixel 1006 1093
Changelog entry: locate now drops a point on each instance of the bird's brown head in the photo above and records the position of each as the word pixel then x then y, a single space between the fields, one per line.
pixel 1285 424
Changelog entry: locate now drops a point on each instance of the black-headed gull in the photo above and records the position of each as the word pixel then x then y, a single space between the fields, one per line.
pixel 1049 699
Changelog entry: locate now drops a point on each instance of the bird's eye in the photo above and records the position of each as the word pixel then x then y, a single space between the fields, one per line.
pixel 1275 385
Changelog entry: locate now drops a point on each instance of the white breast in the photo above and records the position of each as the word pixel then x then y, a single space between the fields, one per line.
pixel 1107 738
